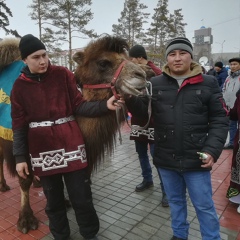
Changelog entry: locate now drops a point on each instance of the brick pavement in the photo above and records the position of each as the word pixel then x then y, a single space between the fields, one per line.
pixel 124 214
pixel 128 215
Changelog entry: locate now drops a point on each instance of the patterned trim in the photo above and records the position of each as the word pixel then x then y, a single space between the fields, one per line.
pixel 58 158
pixel 232 192
pixel 148 132
pixel 235 173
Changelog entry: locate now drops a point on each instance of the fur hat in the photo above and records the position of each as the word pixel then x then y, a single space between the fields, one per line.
pixel 236 59
pixel 30 44
pixel 219 64
pixel 137 51
pixel 179 43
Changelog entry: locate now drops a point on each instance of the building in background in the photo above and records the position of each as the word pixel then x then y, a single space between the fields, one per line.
pixel 202 49
pixel 62 58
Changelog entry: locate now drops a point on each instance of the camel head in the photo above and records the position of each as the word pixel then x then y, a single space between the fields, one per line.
pixel 99 63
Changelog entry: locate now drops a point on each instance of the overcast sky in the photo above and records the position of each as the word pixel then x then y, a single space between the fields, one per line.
pixel 221 15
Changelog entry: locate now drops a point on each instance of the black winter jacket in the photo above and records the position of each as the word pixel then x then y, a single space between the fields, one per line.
pixel 187 120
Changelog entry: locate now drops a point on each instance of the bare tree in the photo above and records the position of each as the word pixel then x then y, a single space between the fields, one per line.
pixel 71 18
pixel 48 33
pixel 60 21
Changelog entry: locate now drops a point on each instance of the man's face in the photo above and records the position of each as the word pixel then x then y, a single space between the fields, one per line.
pixel 135 60
pixel 179 62
pixel 234 66
pixel 37 61
pixel 217 69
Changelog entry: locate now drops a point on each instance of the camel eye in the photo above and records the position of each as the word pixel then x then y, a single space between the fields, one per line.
pixel 103 64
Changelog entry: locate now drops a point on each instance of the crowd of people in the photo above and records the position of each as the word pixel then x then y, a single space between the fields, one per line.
pixel 192 113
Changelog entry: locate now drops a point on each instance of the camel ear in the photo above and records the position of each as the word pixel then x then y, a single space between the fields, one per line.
pixel 78 57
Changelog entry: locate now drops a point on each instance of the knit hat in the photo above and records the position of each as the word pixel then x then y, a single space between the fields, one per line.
pixel 219 64
pixel 137 51
pixel 30 44
pixel 179 43
pixel 236 59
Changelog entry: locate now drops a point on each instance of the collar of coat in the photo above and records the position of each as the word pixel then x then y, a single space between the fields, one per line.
pixel 194 77
pixel 33 77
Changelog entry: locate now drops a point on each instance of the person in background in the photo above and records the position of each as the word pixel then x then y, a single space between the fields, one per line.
pixel 212 71
pixel 221 73
pixel 144 139
pixel 190 118
pixel 138 55
pixel 233 192
pixel 230 88
pixel 46 135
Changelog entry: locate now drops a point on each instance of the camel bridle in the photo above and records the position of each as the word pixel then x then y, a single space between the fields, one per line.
pixel 110 85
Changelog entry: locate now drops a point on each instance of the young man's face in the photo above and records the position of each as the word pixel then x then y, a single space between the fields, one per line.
pixel 37 61
pixel 135 60
pixel 179 62
pixel 234 66
pixel 217 69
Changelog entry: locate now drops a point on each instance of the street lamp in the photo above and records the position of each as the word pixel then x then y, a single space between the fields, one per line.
pixel 222 49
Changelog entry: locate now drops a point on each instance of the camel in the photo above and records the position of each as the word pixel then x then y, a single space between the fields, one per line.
pixel 97 73
pixel 103 70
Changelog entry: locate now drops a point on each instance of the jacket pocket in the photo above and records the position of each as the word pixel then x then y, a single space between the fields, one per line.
pixel 163 135
pixel 198 139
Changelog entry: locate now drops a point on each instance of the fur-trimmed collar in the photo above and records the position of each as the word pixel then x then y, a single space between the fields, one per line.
pixel 195 70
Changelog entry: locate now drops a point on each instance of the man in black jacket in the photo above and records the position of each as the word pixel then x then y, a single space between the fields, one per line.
pixel 190 117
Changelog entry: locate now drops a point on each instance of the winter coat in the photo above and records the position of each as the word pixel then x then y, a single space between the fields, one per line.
pixel 230 88
pixel 212 72
pixel 187 120
pixel 221 77
pixel 58 148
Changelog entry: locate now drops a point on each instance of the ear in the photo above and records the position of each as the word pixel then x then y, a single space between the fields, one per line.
pixel 78 57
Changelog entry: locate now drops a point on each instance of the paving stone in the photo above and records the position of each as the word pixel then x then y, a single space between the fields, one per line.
pixel 128 215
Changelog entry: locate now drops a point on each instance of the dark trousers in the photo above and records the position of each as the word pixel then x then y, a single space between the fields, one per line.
pixel 80 195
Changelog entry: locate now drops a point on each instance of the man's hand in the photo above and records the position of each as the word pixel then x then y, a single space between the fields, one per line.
pixel 208 162
pixel 22 169
pixel 113 103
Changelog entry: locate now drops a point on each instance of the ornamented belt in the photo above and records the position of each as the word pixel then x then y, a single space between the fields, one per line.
pixel 51 123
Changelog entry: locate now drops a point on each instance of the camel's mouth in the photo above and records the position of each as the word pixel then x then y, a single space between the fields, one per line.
pixel 135 87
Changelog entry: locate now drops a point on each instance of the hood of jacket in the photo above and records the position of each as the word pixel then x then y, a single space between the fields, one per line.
pixel 195 70
pixel 9 51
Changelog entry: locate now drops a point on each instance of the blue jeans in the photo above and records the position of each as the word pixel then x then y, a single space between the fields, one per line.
pixel 198 184
pixel 142 150
pixel 233 126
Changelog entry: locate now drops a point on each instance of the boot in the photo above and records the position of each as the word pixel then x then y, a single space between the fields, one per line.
pixel 164 200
